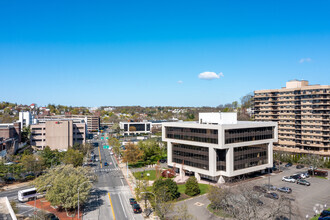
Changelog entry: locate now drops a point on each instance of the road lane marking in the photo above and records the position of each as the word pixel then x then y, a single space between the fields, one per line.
pixel 113 212
pixel 100 157
pixel 122 181
pixel 122 205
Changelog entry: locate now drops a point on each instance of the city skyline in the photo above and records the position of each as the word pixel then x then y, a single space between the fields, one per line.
pixel 156 53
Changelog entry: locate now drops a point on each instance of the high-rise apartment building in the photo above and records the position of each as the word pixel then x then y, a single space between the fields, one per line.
pixel 302 112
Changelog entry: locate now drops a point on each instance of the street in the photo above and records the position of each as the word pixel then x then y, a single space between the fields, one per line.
pixel 110 197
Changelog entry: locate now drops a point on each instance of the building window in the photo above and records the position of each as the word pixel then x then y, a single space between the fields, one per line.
pixel 248 134
pixel 189 155
pixel 250 156
pixel 221 159
pixel 193 134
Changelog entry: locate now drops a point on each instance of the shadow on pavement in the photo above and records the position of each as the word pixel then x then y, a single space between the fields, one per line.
pixel 94 201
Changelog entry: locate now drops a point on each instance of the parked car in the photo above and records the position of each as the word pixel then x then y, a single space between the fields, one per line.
pixel 270 187
pixel 296 176
pixel 9 179
pixel 303 182
pixel 288 165
pixel 285 189
pixel 300 166
pixel 271 195
pixel 303 175
pixel 324 218
pixel 259 189
pixel 163 161
pixel 136 208
pixel 325 213
pixel 132 201
pixel 106 164
pixel 288 179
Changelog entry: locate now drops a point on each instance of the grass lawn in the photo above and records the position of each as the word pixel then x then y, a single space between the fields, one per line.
pixel 316 217
pixel 152 173
pixel 203 187
pixel 321 177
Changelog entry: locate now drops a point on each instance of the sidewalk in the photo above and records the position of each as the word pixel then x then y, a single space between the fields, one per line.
pixel 15 186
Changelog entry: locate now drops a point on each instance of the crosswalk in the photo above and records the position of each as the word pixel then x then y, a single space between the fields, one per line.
pixel 106 170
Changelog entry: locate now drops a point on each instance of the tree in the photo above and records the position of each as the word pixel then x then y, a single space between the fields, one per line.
pixel 114 142
pixel 73 157
pixel 192 187
pixel 312 160
pixel 61 185
pixel 246 101
pixel 26 133
pixel 132 128
pixel 163 205
pixel 132 153
pixel 32 163
pixel 170 186
pixel 182 213
pixel 50 157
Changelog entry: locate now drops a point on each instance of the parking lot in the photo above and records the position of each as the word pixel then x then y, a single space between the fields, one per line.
pixel 306 197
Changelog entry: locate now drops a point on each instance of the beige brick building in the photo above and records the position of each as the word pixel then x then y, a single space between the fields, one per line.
pixel 302 112
pixel 58 134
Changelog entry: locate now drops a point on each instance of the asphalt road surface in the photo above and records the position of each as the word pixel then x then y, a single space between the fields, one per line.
pixel 111 193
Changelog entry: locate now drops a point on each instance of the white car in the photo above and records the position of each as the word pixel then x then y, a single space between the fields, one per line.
pixel 288 179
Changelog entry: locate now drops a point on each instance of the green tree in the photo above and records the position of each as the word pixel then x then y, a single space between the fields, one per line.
pixel 170 186
pixel 50 157
pixel 192 187
pixel 32 163
pixel 61 184
pixel 73 157
pixel 25 135
pixel 115 144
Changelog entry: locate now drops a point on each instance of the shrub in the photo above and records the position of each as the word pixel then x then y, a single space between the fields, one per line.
pixel 192 187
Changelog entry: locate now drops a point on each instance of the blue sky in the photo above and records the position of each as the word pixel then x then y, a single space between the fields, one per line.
pixel 93 53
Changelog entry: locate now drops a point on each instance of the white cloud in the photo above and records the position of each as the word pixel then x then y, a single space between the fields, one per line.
pixel 180 82
pixel 210 75
pixel 302 60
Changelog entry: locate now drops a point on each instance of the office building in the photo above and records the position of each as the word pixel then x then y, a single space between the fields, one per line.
pixel 58 134
pixel 93 123
pixel 219 147
pixel 302 112
pixel 133 128
pixel 10 137
pixel 26 119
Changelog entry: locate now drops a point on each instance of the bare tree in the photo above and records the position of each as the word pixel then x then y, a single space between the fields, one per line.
pixel 163 205
pixel 183 213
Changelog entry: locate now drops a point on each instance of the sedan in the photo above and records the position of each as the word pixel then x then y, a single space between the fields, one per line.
pixel 285 189
pixel 300 166
pixel 288 179
pixel 271 195
pixel 303 182
pixel 288 165
pixel 136 208
pixel 132 201
pixel 106 164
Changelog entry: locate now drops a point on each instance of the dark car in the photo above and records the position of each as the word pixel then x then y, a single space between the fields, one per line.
pixel 163 161
pixel 324 218
pixel 325 213
pixel 132 201
pixel 136 208
pixel 51 216
pixel 9 179
pixel 285 189
pixel 303 182
pixel 300 166
pixel 296 176
pixel 259 189
pixel 288 165
pixel 271 195
pixel 106 164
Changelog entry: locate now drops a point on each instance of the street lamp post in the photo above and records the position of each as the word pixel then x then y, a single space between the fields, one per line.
pixel 35 200
pixel 78 195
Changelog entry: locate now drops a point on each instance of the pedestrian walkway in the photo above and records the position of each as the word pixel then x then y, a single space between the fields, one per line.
pixel 106 170
pixel 15 186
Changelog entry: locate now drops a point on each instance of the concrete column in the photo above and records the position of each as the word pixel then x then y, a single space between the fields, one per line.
pixel 230 161
pixel 270 153
pixel 169 152
pixel 212 161
pixel 198 177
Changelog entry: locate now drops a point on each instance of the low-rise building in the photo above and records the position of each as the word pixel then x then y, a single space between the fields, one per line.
pixel 10 137
pixel 58 134
pixel 130 128
pixel 26 119
pixel 219 147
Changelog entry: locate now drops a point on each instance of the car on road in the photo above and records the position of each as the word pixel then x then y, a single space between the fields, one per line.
pixel 299 166
pixel 136 208
pixel 259 189
pixel 270 187
pixel 132 201
pixel 271 195
pixel 285 189
pixel 288 165
pixel 303 182
pixel 288 179
pixel 106 164
pixel 111 153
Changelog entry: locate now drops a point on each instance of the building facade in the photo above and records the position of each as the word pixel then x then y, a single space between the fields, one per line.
pixel 93 123
pixel 26 119
pixel 10 137
pixel 130 128
pixel 303 115
pixel 219 147
pixel 58 134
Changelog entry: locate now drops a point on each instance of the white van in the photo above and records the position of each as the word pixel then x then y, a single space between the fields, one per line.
pixel 29 194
